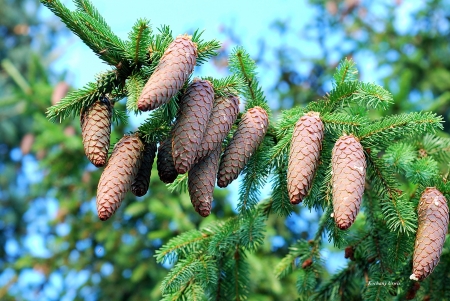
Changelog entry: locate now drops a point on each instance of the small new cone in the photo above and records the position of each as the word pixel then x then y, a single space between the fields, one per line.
pixel 433 225
pixel 119 173
pixel 349 174
pixel 201 182
pixel 166 169
pixel 95 131
pixel 304 155
pixel 140 184
pixel 246 140
pixel 173 69
pixel 223 115
pixel 195 109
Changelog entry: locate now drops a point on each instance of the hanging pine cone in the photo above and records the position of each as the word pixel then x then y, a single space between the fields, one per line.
pixel 166 169
pixel 201 182
pixel 246 140
pixel 140 184
pixel 118 175
pixel 304 154
pixel 195 109
pixel 433 225
pixel 173 69
pixel 223 115
pixel 96 130
pixel 349 174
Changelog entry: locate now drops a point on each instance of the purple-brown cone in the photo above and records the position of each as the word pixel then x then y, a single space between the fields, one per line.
pixel 173 69
pixel 304 155
pixel 118 175
pixel 433 225
pixel 195 109
pixel 349 174
pixel 166 169
pixel 140 184
pixel 246 140
pixel 201 182
pixel 96 130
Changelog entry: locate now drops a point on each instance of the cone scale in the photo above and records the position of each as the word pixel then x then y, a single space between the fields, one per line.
pixel 118 175
pixel 348 179
pixel 304 155
pixel 246 140
pixel 433 225
pixel 201 182
pixel 173 69
pixel 195 110
pixel 140 184
pixel 96 130
pixel 223 115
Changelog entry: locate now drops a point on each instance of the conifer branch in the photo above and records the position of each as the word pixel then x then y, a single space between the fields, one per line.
pixel 223 87
pixel 180 184
pixel 345 72
pixel 139 41
pixel 183 244
pixel 205 49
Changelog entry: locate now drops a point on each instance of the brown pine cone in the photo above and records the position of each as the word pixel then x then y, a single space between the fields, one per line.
pixel 304 155
pixel 118 175
pixel 140 184
pixel 433 225
pixel 195 109
pixel 246 140
pixel 349 174
pixel 173 69
pixel 166 169
pixel 201 182
pixel 223 115
pixel 96 130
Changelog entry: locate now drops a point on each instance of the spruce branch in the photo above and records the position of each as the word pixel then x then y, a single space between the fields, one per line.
pixel 240 63
pixel 384 131
pixel 181 274
pixel 293 259
pixel 134 86
pixel 205 49
pixel 180 184
pixel 139 41
pixel 185 244
pixel 345 72
pixel 373 96
pixel 223 87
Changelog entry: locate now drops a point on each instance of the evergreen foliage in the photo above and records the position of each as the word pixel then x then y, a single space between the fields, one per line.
pixel 403 152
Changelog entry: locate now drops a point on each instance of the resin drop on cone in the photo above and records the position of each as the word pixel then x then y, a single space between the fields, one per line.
pixel 304 155
pixel 433 226
pixel 173 69
pixel 246 140
pixel 96 131
pixel 348 179
pixel 118 175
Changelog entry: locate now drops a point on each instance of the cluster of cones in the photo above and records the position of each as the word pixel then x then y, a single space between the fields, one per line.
pixel 348 179
pixel 195 143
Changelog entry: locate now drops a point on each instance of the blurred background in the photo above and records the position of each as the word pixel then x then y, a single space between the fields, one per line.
pixel 52 244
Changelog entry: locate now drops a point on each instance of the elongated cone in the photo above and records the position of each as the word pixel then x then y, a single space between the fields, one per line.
pixel 201 182
pixel 246 140
pixel 223 115
pixel 118 175
pixel 195 109
pixel 306 145
pixel 140 184
pixel 173 69
pixel 349 174
pixel 96 130
pixel 433 225
pixel 166 169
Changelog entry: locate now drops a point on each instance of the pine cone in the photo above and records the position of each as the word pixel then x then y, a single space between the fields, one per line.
pixel 349 174
pixel 173 69
pixel 201 182
pixel 304 155
pixel 246 140
pixel 96 130
pixel 223 115
pixel 166 169
pixel 195 109
pixel 140 184
pixel 433 225
pixel 118 175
